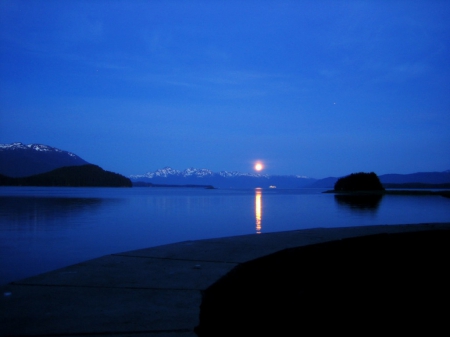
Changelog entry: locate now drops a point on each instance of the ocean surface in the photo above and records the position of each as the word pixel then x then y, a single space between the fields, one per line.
pixel 44 228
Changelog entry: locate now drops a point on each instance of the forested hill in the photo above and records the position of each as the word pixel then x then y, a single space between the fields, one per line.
pixel 19 160
pixel 71 176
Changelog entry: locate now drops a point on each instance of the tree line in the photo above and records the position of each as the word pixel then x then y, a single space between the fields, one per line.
pixel 71 176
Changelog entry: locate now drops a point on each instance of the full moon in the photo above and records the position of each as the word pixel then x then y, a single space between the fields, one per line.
pixel 259 166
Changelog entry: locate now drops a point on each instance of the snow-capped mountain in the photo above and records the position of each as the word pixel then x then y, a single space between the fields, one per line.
pixel 21 160
pixel 167 172
pixel 35 147
pixel 222 179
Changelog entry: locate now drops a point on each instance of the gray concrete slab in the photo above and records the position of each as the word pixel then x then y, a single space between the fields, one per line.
pixel 63 310
pixel 135 272
pixel 147 292
pixel 239 249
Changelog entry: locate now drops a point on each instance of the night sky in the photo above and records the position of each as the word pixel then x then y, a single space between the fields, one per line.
pixel 315 88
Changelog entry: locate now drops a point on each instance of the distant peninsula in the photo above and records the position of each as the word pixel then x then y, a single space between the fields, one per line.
pixel 145 184
pixel 369 184
pixel 70 176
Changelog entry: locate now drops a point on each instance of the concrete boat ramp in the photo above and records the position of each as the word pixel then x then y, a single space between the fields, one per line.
pixel 148 292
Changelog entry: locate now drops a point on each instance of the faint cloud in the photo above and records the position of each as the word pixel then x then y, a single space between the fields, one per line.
pixel 403 72
pixel 236 77
pixel 156 41
pixel 329 73
pixel 46 31
pixel 411 69
pixel 81 28
pixel 219 83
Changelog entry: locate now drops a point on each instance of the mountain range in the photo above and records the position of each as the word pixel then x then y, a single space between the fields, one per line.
pixel 222 179
pixel 19 160
pixel 226 179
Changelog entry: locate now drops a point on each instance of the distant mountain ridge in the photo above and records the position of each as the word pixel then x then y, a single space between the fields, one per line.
pixel 222 179
pixel 20 160
pixel 419 177
pixel 200 173
pixel 193 172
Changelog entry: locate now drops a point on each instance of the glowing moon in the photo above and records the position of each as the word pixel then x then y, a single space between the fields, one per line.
pixel 259 166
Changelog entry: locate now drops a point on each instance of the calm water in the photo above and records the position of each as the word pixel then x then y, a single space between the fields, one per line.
pixel 42 229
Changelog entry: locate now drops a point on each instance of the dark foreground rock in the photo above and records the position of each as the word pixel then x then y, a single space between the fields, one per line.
pixel 386 283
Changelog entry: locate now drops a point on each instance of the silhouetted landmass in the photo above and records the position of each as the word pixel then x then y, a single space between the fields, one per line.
pixel 219 181
pixel 417 185
pixel 411 192
pixel 359 182
pixel 430 178
pixel 145 184
pixel 324 183
pixel 419 177
pixel 19 160
pixel 71 176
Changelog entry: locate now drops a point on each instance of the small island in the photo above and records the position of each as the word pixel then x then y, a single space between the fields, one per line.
pixel 359 182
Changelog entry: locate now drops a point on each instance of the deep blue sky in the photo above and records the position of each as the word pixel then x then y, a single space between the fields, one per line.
pixel 315 88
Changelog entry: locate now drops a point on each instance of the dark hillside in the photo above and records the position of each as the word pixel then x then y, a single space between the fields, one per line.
pixel 20 160
pixel 419 177
pixel 71 176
